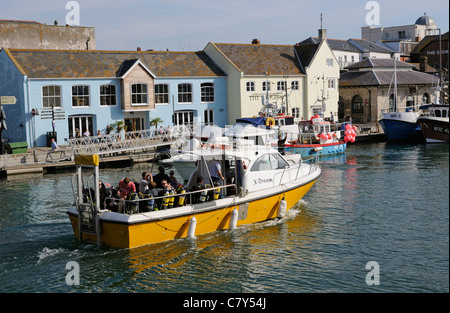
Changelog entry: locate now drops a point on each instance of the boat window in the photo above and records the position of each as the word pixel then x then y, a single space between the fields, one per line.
pixel 269 162
pixel 444 113
pixel 277 161
pixel 262 164
pixel 437 113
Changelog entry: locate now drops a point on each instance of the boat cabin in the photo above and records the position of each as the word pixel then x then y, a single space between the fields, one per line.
pixel 436 110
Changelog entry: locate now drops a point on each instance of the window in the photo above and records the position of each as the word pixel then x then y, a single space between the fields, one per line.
pixel 330 62
pixel 250 86
pixel 138 94
pixel 410 101
pixel 51 96
pixel 208 116
pixel 107 95
pixel 294 85
pixel 357 104
pixel 266 86
pixel 184 93
pixel 269 162
pixel 184 118
pixel 281 85
pixel 80 96
pixel 331 83
pixel 207 92
pixel 162 93
pixel 296 112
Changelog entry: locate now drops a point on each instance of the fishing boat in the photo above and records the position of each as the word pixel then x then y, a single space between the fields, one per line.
pixel 314 137
pixel 434 123
pixel 260 185
pixel 400 123
pixel 434 120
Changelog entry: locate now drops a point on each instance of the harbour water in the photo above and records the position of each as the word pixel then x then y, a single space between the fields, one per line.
pixel 379 202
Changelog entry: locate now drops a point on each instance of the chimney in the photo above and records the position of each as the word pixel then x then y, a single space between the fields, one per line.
pixel 138 48
pixel 255 41
pixel 423 64
pixel 322 34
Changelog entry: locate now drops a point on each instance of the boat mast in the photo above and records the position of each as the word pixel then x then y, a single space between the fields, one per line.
pixel 395 84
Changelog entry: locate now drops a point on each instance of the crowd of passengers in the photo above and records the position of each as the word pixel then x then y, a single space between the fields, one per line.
pixel 132 197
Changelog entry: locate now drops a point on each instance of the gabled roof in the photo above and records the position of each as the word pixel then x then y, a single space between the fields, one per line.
pixel 109 64
pixel 257 59
pixel 306 53
pixel 128 65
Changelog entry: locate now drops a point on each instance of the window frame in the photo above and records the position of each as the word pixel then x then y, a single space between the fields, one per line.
pixel 207 92
pixel 250 86
pixel 110 95
pixel 48 97
pixel 138 94
pixel 183 93
pixel 162 94
pixel 77 97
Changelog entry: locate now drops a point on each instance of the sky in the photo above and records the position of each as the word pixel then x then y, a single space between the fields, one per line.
pixel 188 25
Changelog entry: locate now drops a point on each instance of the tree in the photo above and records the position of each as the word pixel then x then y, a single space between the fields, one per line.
pixel 118 126
pixel 156 121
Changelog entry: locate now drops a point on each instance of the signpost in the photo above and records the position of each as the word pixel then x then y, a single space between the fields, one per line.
pixel 53 114
pixel 7 100
pixel 4 100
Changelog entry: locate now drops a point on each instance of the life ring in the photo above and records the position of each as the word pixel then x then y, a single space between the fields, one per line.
pixel 270 122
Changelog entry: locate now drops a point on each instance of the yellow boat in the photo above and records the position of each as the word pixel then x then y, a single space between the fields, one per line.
pixel 261 184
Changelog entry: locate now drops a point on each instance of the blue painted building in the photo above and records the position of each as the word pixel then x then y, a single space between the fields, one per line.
pixel 92 89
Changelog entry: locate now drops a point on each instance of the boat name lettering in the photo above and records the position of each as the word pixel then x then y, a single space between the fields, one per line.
pixel 395 115
pixel 440 129
pixel 262 180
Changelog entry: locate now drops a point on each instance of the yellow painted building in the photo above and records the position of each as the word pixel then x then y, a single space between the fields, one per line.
pixel 306 75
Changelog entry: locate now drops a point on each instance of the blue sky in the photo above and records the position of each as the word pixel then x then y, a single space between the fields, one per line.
pixel 188 25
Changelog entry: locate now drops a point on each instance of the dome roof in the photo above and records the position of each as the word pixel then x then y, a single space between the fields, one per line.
pixel 425 20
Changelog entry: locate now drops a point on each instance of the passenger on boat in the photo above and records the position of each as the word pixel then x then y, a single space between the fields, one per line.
pixel 281 142
pixel 166 190
pixel 146 179
pixel 198 186
pixel 126 186
pixel 160 176
pixel 172 180
pixel 216 172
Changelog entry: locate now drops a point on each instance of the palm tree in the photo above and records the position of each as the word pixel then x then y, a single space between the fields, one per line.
pixel 156 121
pixel 118 126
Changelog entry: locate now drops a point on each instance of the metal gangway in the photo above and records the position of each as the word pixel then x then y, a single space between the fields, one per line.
pixel 133 141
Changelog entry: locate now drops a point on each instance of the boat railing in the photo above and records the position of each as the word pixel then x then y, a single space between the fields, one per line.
pixel 312 168
pixel 168 201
